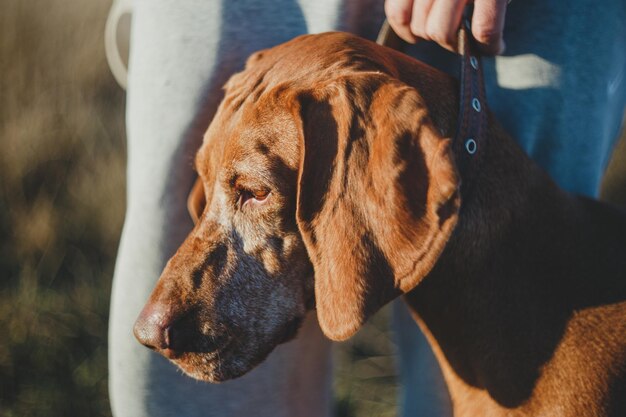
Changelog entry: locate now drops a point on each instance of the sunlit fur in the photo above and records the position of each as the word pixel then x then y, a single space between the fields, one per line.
pixel 519 286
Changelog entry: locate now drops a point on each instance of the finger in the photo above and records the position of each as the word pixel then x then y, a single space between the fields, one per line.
pixel 443 22
pixel 399 16
pixel 488 25
pixel 421 11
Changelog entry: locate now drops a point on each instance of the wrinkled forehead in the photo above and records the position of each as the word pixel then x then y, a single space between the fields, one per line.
pixel 306 62
pixel 259 133
pixel 263 132
pixel 260 107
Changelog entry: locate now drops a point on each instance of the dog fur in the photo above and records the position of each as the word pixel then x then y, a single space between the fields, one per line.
pixel 328 180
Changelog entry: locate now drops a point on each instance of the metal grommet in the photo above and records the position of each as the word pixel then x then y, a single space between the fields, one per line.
pixel 474 62
pixel 476 104
pixel 470 146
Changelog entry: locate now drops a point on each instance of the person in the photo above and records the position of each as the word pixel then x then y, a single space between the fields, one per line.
pixel 558 87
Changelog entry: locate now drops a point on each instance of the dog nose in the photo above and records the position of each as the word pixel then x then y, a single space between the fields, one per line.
pixel 152 327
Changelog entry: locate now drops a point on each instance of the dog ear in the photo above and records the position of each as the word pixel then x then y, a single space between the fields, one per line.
pixel 377 196
pixel 196 201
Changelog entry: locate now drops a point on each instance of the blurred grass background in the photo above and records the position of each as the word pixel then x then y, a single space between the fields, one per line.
pixel 62 163
pixel 62 172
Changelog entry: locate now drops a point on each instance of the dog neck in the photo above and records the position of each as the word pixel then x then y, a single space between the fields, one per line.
pixel 496 305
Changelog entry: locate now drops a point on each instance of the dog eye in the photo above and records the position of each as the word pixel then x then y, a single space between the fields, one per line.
pixel 260 194
pixel 245 195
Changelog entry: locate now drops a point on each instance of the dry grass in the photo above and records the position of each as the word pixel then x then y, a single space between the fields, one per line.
pixel 614 185
pixel 61 210
pixel 365 376
pixel 61 206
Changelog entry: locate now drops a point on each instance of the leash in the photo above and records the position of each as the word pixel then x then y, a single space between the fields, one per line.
pixel 472 123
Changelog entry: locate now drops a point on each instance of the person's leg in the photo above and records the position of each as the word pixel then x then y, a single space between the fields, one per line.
pixel 175 62
pixel 560 88
pixel 181 54
pixel 560 91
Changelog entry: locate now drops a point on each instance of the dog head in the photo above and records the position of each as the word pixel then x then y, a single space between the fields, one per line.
pixel 325 181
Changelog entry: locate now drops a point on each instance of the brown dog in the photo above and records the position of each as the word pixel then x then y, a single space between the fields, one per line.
pixel 327 181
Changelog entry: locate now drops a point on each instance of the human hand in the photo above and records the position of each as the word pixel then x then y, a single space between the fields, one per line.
pixel 439 20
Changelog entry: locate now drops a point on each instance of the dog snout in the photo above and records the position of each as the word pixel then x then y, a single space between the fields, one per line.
pixel 153 327
pixel 172 333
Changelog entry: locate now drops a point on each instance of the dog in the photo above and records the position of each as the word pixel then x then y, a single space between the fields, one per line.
pixel 328 180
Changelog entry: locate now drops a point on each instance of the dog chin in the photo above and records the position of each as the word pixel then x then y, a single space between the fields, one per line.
pixel 234 361
pixel 215 368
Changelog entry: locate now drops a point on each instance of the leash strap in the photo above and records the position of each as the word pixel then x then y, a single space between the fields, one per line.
pixel 470 135
pixel 387 37
pixel 472 124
